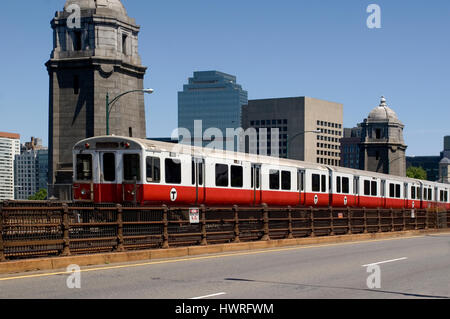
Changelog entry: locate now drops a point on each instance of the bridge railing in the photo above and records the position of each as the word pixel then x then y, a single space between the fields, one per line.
pixel 35 229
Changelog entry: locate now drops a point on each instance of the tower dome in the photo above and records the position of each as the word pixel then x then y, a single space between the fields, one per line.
pixel 383 113
pixel 114 5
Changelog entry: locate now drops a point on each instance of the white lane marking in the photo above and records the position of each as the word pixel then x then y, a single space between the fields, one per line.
pixel 208 296
pixel 386 261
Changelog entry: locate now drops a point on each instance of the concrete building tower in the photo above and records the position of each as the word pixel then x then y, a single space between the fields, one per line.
pixel 382 148
pixel 95 53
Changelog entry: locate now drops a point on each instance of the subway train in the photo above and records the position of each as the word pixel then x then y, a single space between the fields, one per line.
pixel 124 170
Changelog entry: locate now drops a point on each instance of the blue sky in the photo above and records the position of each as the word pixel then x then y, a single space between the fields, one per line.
pixel 317 48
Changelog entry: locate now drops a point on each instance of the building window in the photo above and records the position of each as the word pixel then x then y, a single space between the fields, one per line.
pixel 77 41
pixel 124 44
pixel 76 85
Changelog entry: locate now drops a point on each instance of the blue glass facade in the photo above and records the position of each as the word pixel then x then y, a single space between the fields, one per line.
pixel 213 97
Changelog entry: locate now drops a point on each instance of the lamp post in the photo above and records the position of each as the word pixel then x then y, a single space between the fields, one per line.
pixel 109 104
pixel 289 140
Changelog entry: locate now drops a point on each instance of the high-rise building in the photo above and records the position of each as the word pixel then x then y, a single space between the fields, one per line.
pixel 350 147
pixel 31 169
pixel 446 151
pixel 382 147
pixel 214 98
pixel 9 148
pixel 429 163
pixel 90 59
pixel 308 129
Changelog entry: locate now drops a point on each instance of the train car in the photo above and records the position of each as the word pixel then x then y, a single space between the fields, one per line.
pixel 113 169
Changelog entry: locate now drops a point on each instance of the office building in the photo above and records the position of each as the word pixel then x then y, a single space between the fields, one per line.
pixel 350 147
pixel 308 129
pixel 215 99
pixel 9 148
pixel 31 169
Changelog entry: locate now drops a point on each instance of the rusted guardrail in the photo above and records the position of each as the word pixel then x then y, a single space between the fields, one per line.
pixel 33 229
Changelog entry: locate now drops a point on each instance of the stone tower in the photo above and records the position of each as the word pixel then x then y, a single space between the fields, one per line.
pixel 92 56
pixel 382 148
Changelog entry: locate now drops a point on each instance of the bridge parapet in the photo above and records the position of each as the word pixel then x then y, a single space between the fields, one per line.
pixel 37 229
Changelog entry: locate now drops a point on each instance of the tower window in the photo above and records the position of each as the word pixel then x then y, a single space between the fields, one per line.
pixel 77 41
pixel 378 133
pixel 130 131
pixel 124 44
pixel 76 85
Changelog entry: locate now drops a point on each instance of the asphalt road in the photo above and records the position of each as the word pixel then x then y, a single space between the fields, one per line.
pixel 417 267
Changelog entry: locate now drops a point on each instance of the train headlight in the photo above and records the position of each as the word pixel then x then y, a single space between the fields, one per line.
pixel 133 193
pixel 83 192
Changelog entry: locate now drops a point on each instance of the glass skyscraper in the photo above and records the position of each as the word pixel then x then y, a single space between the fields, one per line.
pixel 214 98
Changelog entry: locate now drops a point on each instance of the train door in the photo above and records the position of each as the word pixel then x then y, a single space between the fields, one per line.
pixel 107 190
pixel 301 186
pixel 383 193
pixel 256 183
pixel 198 179
pixel 406 195
pixel 356 190
pixel 132 178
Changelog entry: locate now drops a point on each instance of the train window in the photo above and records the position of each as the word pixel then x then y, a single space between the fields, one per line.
pixel 173 171
pixel 345 185
pixel 237 176
pixel 413 192
pixel 441 196
pixel 193 172
pixel 252 177
pixel 274 179
pixel 430 194
pixel 391 190
pixel 338 184
pixel 374 190
pixel 446 196
pixel 397 191
pixel 84 167
pixel 200 173
pixel 367 188
pixel 324 183
pixel 222 175
pixel 153 167
pixel 131 167
pixel 315 183
pixel 109 167
pixel 286 180
pixel 425 194
pixel 302 181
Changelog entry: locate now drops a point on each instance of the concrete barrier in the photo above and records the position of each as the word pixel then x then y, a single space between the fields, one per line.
pixel 60 263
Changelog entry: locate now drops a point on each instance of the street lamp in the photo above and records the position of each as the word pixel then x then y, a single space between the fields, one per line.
pixel 289 140
pixel 109 104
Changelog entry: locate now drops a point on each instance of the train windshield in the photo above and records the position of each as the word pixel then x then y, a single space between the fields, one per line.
pixel 131 167
pixel 84 167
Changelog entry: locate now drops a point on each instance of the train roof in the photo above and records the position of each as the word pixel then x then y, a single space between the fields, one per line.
pixel 158 146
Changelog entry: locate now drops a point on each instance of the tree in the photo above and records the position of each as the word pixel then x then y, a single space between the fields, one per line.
pixel 416 173
pixel 41 195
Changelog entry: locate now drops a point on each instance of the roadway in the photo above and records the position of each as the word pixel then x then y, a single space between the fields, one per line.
pixel 415 267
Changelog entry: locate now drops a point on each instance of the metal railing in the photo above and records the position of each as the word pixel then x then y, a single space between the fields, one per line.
pixel 36 229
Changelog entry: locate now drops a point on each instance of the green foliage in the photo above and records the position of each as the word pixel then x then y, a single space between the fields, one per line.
pixel 416 172
pixel 41 195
